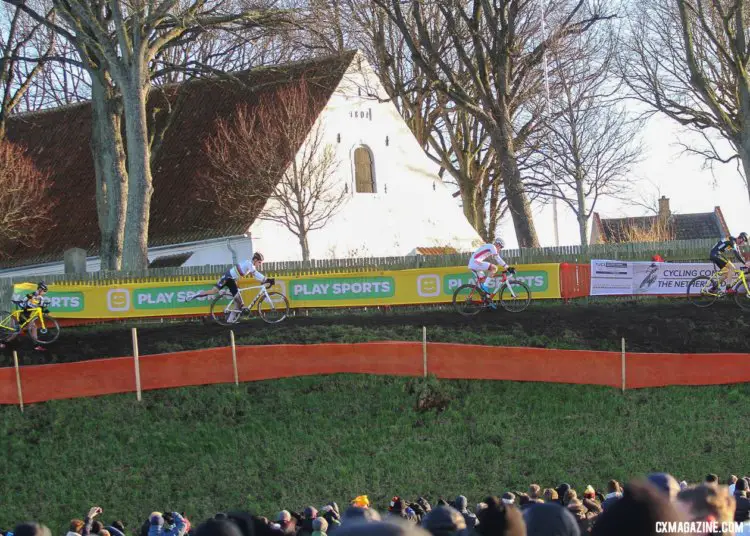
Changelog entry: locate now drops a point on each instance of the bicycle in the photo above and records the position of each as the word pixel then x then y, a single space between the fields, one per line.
pixel 703 296
pixel 514 296
pixel 273 307
pixel 12 324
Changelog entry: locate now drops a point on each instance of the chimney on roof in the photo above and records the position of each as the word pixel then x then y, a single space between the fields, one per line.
pixel 664 212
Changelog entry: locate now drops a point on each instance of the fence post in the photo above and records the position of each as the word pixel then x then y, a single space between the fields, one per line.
pixel 134 332
pixel 234 358
pixel 622 361
pixel 424 350
pixel 18 379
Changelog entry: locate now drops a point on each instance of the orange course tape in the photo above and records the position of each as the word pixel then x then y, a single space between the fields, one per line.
pixel 445 360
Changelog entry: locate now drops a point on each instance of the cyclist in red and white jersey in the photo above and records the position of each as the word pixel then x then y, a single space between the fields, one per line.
pixel 479 261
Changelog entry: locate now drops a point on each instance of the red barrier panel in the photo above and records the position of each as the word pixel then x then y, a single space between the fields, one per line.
pixel 575 280
pixel 181 369
pixel 445 360
pixel 76 380
pixel 524 364
pixel 286 360
pixel 659 370
pixel 8 390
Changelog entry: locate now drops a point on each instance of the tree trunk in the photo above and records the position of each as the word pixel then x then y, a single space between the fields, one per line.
pixel 473 207
pixel 583 221
pixel 518 204
pixel 111 175
pixel 744 151
pixel 305 247
pixel 140 186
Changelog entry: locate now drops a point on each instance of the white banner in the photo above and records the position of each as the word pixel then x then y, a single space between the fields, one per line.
pixel 611 278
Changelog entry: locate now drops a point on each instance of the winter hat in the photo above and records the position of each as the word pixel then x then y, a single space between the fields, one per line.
pixel 218 527
pixel 461 502
pixel 637 512
pixel 361 501
pixel 381 528
pixel 444 521
pixel 500 519
pixel 550 519
pixel 320 524
pixel 31 529
pixel 666 483
pixel 359 514
pixel 156 518
pixel 562 489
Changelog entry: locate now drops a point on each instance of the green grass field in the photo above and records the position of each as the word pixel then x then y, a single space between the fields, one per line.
pixel 275 444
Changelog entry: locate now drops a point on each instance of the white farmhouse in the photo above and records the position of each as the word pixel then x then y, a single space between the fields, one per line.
pixel 395 202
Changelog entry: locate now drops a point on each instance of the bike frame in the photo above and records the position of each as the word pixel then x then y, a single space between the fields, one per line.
pixel 739 275
pixel 36 312
pixel 504 280
pixel 233 299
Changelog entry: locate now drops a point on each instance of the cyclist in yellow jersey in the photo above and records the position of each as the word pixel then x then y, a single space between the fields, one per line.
pixel 719 256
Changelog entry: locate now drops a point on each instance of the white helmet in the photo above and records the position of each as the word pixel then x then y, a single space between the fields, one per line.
pixel 499 242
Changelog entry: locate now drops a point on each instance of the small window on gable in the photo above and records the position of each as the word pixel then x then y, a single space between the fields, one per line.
pixel 363 172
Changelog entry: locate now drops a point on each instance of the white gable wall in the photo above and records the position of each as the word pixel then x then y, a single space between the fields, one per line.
pixel 412 206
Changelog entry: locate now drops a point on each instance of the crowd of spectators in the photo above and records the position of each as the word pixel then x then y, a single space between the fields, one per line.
pixel 657 504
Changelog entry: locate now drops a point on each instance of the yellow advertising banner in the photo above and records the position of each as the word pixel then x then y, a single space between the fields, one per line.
pixel 359 289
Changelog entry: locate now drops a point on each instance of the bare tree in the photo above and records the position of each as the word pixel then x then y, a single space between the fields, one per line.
pixel 26 46
pixel 119 41
pixel 688 60
pixel 590 142
pixel 24 205
pixel 493 41
pixel 272 161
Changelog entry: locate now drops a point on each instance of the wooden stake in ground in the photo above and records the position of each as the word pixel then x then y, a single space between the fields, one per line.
pixel 622 360
pixel 424 350
pixel 18 379
pixel 134 332
pixel 234 358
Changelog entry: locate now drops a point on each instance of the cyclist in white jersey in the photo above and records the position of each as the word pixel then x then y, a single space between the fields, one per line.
pixel 246 268
pixel 479 262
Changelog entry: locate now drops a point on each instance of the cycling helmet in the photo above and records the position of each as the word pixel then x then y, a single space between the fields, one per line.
pixel 743 236
pixel 41 286
pixel 258 256
pixel 499 242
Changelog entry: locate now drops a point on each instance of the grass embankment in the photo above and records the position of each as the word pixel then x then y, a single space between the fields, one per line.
pixel 275 444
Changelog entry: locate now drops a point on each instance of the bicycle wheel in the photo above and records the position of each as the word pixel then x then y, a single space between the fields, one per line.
pixel 273 308
pixel 468 300
pixel 218 307
pixel 8 326
pixel 697 292
pixel 741 298
pixel 515 301
pixel 49 334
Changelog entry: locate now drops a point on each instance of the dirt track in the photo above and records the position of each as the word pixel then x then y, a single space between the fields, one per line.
pixel 668 326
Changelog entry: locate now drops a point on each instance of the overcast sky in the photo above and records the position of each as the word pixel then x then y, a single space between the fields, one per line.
pixel 680 177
